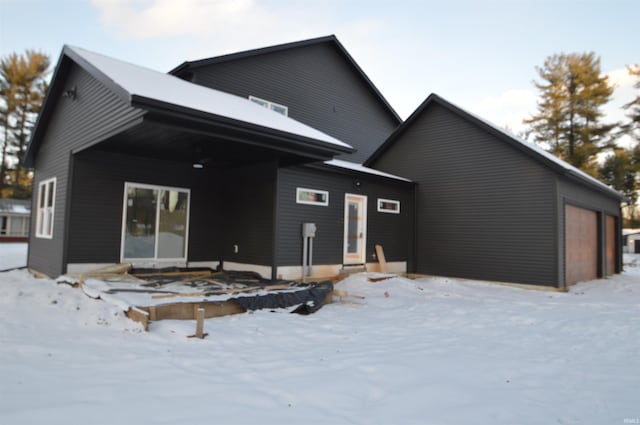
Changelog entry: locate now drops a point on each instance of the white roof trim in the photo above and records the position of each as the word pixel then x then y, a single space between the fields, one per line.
pixel 361 168
pixel 147 83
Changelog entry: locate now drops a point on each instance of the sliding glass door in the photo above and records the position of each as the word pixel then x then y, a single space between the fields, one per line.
pixel 155 223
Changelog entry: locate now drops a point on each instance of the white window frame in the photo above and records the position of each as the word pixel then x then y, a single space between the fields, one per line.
pixel 270 105
pixel 390 201
pixel 324 203
pixel 155 258
pixel 45 213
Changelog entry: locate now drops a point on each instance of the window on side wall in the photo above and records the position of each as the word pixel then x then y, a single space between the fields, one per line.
pixel 46 208
pixel 312 196
pixel 388 206
pixel 281 109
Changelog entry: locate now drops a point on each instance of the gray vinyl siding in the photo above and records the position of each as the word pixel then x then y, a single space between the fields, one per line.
pixel 320 88
pixel 392 231
pixel 90 117
pixel 486 210
pixel 96 213
pixel 571 193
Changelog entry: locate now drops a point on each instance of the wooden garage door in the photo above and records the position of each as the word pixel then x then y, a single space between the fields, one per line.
pixel 611 245
pixel 581 244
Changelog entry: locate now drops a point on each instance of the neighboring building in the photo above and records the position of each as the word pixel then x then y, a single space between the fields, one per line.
pixel 223 166
pixel 631 241
pixel 493 207
pixel 15 215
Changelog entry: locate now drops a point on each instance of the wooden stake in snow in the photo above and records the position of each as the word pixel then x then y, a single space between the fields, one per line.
pixel 200 323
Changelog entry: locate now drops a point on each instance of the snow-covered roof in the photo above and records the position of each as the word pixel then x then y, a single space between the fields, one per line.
pixel 150 84
pixel 15 206
pixel 361 168
pixel 549 156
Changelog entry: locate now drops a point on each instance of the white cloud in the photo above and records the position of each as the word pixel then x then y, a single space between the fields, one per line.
pixel 508 108
pixel 512 106
pixel 624 93
pixel 140 19
pixel 515 98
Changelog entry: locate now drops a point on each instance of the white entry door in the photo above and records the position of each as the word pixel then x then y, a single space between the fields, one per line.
pixel 355 229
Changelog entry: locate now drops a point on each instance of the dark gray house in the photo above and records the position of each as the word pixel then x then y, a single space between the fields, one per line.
pixel 490 206
pixel 223 161
pixel 133 165
pixel 315 81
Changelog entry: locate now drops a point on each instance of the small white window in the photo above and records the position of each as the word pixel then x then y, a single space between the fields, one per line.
pixel 281 109
pixel 46 208
pixel 312 196
pixel 388 206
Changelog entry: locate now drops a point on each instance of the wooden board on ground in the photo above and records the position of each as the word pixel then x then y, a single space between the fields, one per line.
pixel 380 279
pixel 223 291
pixel 345 294
pixel 140 316
pixel 185 311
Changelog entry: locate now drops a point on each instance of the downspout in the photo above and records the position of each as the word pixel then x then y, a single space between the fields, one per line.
pixel 413 255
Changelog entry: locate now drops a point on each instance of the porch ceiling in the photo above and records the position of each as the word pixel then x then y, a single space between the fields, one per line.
pixel 219 148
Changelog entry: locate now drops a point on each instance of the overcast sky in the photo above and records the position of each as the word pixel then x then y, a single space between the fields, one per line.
pixel 480 55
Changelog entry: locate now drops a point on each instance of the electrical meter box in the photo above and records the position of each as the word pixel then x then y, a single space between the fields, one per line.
pixel 309 230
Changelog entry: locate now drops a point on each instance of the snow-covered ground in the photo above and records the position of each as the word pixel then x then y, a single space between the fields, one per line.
pixel 430 351
pixel 13 255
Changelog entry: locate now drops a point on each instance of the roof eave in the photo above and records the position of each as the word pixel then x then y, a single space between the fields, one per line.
pixel 289 139
pixel 352 172
pixel 57 79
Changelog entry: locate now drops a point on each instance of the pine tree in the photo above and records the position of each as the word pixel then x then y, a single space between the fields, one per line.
pixel 619 170
pixel 633 107
pixel 7 109
pixel 568 119
pixel 22 87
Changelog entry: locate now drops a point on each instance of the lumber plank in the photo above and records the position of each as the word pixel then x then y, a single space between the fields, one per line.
pixel 138 315
pixel 176 295
pixel 381 258
pixel 345 294
pixel 185 273
pixel 222 291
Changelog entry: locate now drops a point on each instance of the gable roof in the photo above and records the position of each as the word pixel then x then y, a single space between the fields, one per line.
pixel 146 89
pixel 330 39
pixel 530 149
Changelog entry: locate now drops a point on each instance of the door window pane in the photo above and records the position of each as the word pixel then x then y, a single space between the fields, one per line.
pixel 172 231
pixel 352 229
pixel 140 231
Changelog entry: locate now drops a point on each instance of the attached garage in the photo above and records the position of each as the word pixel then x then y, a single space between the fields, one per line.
pixel 494 207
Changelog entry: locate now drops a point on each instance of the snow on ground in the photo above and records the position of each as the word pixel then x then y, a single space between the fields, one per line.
pixel 13 255
pixel 429 351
